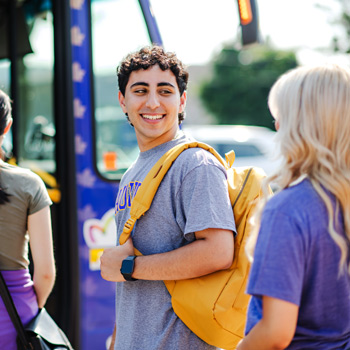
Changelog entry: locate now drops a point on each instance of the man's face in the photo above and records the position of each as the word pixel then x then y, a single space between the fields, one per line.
pixel 152 100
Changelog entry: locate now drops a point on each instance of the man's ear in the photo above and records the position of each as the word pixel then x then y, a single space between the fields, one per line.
pixel 8 126
pixel 121 99
pixel 183 100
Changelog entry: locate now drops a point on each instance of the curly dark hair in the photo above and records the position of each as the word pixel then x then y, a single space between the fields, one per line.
pixel 5 111
pixel 5 116
pixel 147 57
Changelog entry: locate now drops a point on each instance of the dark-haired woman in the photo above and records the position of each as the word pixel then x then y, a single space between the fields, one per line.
pixel 24 217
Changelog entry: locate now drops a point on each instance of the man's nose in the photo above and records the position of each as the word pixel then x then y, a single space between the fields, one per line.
pixel 152 101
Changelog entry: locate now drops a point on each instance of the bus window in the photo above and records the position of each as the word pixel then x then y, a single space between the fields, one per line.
pixel 33 116
pixel 118 27
pixel 36 145
pixel 34 99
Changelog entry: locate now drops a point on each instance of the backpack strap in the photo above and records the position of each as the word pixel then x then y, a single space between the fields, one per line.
pixel 146 192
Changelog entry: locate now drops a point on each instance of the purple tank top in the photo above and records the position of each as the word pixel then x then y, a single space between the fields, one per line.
pixel 20 285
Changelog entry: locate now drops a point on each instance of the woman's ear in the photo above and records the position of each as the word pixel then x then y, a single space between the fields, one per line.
pixel 277 124
pixel 8 126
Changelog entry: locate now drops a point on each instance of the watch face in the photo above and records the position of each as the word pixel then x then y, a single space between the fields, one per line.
pixel 128 266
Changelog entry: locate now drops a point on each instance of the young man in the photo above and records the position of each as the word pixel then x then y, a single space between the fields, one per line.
pixel 187 232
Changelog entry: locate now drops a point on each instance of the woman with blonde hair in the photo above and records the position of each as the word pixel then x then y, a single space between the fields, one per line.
pixel 24 216
pixel 299 280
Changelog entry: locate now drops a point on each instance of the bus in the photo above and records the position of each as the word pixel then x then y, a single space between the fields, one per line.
pixel 69 129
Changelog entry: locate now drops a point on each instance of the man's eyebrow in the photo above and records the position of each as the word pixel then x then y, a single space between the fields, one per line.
pixel 141 83
pixel 166 84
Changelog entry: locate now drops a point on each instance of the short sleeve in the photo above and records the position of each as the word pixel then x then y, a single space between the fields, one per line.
pixel 38 196
pixel 278 267
pixel 203 200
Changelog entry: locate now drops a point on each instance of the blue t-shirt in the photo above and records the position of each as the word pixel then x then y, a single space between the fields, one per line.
pixel 296 260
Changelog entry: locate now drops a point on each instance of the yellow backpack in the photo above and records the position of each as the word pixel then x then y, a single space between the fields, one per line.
pixel 213 306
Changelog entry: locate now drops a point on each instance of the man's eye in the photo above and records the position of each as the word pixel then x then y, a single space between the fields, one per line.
pixel 165 92
pixel 139 91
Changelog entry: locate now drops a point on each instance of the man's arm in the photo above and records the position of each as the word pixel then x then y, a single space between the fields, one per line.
pixel 111 345
pixel 275 330
pixel 211 251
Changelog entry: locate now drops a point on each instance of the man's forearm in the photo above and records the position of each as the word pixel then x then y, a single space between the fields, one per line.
pixel 212 250
pixel 201 257
pixel 111 346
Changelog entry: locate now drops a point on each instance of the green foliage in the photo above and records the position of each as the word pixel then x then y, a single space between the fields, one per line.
pixel 341 42
pixel 238 90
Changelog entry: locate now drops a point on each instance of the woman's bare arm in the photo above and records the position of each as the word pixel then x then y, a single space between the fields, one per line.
pixel 41 245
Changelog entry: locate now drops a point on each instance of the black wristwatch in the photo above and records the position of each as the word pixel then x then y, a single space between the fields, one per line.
pixel 127 268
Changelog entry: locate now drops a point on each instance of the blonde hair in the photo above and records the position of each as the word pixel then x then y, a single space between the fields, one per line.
pixel 312 108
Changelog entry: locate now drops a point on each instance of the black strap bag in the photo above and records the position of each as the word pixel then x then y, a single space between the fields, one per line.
pixel 42 333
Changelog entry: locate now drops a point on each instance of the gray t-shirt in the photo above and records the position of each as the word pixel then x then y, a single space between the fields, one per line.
pixel 28 195
pixel 192 197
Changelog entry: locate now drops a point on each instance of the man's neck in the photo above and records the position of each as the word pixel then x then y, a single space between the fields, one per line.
pixel 145 146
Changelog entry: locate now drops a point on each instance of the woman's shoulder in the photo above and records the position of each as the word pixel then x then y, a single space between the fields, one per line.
pixel 17 173
pixel 300 197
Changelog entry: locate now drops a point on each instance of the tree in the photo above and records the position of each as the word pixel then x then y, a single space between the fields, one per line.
pixel 238 89
pixel 341 43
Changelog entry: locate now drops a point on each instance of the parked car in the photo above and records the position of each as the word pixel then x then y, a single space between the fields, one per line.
pixel 253 145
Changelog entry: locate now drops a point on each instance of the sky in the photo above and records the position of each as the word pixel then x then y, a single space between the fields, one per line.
pixel 197 29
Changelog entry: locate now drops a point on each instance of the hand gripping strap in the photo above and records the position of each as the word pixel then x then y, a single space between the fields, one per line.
pixel 146 192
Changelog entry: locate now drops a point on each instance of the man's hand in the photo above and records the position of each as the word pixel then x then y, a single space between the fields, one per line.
pixel 111 261
pixel 111 345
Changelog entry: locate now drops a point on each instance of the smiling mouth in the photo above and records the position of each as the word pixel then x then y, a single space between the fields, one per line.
pixel 153 117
